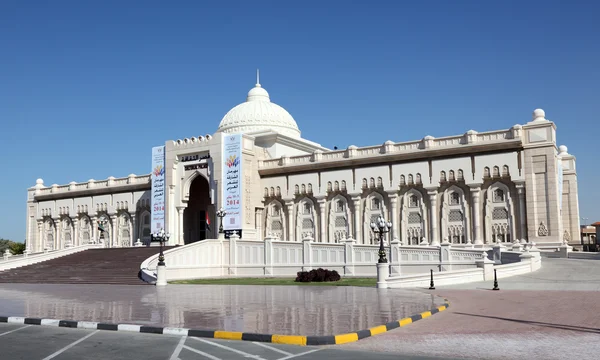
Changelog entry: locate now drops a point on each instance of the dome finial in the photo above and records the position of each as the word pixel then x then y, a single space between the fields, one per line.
pixel 257 78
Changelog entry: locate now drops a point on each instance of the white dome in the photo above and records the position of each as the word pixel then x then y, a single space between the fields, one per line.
pixel 259 113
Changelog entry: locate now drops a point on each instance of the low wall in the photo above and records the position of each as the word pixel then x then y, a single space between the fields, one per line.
pixel 236 257
pixel 528 262
pixel 15 261
pixel 584 255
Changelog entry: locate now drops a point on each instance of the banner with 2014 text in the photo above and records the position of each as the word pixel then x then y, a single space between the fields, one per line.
pixel 232 181
pixel 158 188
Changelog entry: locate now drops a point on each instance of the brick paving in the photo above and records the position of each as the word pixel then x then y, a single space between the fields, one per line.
pixel 509 324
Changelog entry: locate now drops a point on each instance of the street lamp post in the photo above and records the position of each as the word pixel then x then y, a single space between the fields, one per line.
pixel 221 214
pixel 161 276
pixel 381 227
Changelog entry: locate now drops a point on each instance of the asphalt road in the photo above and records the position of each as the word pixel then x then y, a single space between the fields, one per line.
pixel 34 342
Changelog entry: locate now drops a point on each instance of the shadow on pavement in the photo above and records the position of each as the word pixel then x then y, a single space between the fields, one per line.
pixel 537 323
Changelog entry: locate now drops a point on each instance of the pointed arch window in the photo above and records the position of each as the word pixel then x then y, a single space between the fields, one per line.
pixel 275 220
pixel 413 216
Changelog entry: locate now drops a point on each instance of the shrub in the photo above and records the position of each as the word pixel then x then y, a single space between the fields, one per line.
pixel 318 275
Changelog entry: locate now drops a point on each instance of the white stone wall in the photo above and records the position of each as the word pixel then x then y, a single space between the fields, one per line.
pixel 62 216
pixel 391 185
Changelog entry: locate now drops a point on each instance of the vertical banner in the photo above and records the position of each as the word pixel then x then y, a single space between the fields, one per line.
pixel 232 181
pixel 158 188
pixel 559 169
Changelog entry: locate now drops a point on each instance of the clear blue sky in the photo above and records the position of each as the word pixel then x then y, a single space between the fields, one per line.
pixel 87 88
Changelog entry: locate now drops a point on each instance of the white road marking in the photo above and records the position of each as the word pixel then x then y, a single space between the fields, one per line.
pixel 201 353
pixel 68 346
pixel 244 354
pixel 12 331
pixel 178 348
pixel 297 355
pixel 272 348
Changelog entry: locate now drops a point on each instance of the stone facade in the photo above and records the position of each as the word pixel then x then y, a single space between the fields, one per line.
pixel 470 190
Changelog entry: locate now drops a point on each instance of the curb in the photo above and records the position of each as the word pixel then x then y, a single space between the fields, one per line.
pixel 230 335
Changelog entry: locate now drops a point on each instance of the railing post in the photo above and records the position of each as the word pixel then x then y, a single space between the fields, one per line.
pixel 268 255
pixel 497 253
pixel 395 258
pixel 445 259
pixel 307 253
pixel 349 256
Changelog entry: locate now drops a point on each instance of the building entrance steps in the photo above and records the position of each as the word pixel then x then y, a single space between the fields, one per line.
pixel 95 266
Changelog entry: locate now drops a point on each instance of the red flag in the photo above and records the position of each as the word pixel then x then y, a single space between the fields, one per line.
pixel 207 222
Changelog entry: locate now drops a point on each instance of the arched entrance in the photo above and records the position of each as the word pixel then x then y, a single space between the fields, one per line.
pixel 199 209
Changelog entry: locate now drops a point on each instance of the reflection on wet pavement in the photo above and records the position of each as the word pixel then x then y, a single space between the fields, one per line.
pixel 297 310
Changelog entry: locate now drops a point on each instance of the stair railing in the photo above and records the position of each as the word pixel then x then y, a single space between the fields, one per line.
pixel 15 261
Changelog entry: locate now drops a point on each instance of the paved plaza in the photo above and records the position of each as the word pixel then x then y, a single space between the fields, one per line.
pixel 549 314
pixel 282 310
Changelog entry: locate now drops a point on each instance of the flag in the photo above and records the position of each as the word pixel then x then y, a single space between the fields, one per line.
pixel 100 228
pixel 207 222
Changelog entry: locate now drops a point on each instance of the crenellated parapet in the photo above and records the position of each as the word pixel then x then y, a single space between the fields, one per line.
pixel 111 184
pixel 190 142
pixel 467 142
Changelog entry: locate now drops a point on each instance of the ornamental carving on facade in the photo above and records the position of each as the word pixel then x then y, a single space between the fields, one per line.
pixel 542 230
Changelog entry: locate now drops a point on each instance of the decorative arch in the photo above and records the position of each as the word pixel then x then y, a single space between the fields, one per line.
pixel 85 229
pixel 144 226
pixel 66 232
pixel 455 216
pixel 106 236
pixel 49 234
pixel 374 206
pixel 275 220
pixel 339 219
pixel 306 222
pixel 124 229
pixel 499 214
pixel 413 217
pixel 187 185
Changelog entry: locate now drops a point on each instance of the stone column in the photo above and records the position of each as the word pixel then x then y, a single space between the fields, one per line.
pixel 289 204
pixel 356 202
pixel 522 215
pixel 40 243
pixel 95 233
pixel 258 219
pixel 395 220
pixel 476 209
pixel 114 231
pixel 433 219
pixel 322 220
pixel 180 239
pixel 75 237
pixel 57 235
pixel 132 232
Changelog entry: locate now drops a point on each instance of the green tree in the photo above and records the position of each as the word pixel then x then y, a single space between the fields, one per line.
pixel 4 244
pixel 16 248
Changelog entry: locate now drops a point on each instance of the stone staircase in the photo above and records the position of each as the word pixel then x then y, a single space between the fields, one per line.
pixel 96 266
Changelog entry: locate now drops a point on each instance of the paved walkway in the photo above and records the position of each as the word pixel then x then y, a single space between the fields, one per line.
pixel 515 322
pixel 282 310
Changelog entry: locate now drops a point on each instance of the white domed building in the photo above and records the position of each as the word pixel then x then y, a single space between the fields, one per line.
pixel 471 190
